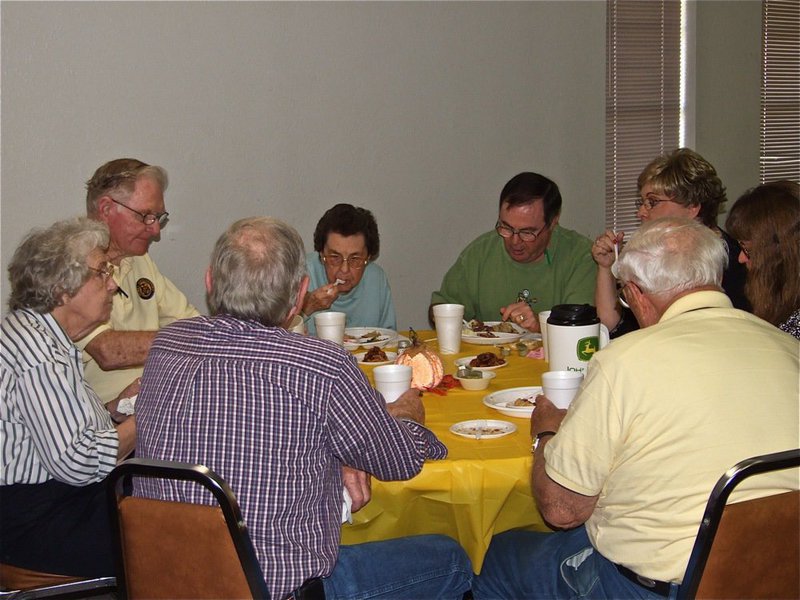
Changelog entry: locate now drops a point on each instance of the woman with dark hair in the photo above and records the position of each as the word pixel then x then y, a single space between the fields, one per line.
pixel 59 440
pixel 679 184
pixel 766 221
pixel 344 276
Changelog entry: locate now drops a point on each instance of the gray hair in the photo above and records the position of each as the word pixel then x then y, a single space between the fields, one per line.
pixel 257 267
pixel 117 179
pixel 670 255
pixel 51 262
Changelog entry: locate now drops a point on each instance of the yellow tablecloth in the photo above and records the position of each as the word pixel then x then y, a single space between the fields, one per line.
pixel 480 489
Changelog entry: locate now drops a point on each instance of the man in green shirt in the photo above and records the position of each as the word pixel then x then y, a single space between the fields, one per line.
pixel 527 250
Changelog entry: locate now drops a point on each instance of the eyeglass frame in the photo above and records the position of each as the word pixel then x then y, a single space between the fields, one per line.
pixel 148 219
pixel 105 273
pixel 650 203
pixel 744 249
pixel 356 266
pixel 500 226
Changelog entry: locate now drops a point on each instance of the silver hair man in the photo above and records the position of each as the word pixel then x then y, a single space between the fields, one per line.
pixel 117 178
pixel 51 262
pixel 257 269
pixel 670 255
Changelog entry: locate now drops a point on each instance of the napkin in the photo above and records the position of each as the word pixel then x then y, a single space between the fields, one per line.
pixel 347 504
pixel 538 353
pixel 126 405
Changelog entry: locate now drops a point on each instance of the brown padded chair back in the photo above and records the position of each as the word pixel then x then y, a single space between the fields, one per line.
pixel 178 550
pixel 17 578
pixel 756 551
pixel 748 549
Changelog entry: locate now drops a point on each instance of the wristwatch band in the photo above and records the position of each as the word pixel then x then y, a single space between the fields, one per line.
pixel 538 438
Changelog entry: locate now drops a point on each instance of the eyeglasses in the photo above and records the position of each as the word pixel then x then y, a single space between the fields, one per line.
pixel 651 203
pixel 505 231
pixel 335 260
pixel 146 218
pixel 745 249
pixel 621 294
pixel 105 272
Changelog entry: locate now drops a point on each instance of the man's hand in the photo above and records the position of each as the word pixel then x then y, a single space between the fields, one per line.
pixel 521 314
pixel 408 406
pixel 320 299
pixel 546 417
pixel 357 484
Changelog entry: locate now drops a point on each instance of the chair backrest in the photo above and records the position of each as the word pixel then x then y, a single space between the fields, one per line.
pixel 181 550
pixel 749 549
pixel 18 583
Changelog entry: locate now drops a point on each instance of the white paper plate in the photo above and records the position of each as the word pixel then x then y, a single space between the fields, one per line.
pixel 386 336
pixel 389 355
pixel 464 362
pixel 503 401
pixel 500 338
pixel 483 429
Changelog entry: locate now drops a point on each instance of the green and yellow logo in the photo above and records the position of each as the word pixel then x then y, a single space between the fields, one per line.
pixel 586 347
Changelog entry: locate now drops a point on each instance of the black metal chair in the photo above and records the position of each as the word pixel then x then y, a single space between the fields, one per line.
pixel 181 550
pixel 749 549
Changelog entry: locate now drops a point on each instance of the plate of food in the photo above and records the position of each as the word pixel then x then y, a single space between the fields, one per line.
pixel 485 361
pixel 487 333
pixel 368 337
pixel 375 356
pixel 483 429
pixel 514 402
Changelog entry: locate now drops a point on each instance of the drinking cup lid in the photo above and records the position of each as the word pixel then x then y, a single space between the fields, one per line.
pixel 573 314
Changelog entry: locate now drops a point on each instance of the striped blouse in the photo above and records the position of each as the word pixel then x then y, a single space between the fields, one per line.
pixel 52 424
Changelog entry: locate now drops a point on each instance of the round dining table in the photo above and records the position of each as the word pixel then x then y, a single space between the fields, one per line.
pixel 483 486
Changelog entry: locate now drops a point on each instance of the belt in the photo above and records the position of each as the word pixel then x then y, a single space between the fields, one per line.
pixel 657 587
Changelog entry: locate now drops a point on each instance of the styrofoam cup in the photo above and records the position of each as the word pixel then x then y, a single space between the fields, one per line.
pixel 560 387
pixel 543 328
pixel 297 325
pixel 392 380
pixel 330 326
pixel 448 319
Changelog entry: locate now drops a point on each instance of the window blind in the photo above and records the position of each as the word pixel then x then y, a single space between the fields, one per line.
pixel 780 91
pixel 643 65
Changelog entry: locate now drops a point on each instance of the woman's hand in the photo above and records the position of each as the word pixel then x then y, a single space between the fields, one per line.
pixel 603 248
pixel 321 298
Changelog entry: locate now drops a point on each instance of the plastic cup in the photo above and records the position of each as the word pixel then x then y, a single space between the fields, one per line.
pixel 560 387
pixel 392 380
pixel 543 328
pixel 297 325
pixel 448 319
pixel 330 326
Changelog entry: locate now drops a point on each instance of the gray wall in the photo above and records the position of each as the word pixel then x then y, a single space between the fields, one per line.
pixel 418 111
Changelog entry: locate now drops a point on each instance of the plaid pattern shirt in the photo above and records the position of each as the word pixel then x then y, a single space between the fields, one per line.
pixel 276 414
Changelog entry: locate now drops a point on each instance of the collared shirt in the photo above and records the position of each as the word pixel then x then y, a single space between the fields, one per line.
pixel 275 414
pixel 52 425
pixel 150 302
pixel 485 278
pixel 662 414
pixel 369 304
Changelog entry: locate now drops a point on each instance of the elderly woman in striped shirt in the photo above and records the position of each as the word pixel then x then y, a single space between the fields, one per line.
pixel 57 440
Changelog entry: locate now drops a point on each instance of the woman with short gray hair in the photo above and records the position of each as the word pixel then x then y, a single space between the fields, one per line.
pixel 59 441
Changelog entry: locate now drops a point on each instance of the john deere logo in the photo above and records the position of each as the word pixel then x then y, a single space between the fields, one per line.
pixel 586 347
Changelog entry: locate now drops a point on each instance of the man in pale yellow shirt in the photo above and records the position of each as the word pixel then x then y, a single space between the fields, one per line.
pixel 128 196
pixel 627 470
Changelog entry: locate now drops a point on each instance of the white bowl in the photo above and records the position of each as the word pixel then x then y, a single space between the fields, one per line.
pixel 474 384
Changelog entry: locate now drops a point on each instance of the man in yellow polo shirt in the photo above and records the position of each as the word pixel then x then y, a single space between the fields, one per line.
pixel 627 470
pixel 128 196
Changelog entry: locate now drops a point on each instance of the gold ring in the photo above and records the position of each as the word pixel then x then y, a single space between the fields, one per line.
pixel 520 318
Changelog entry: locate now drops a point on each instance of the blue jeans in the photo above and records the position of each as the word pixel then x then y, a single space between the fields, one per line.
pixel 422 566
pixel 529 564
